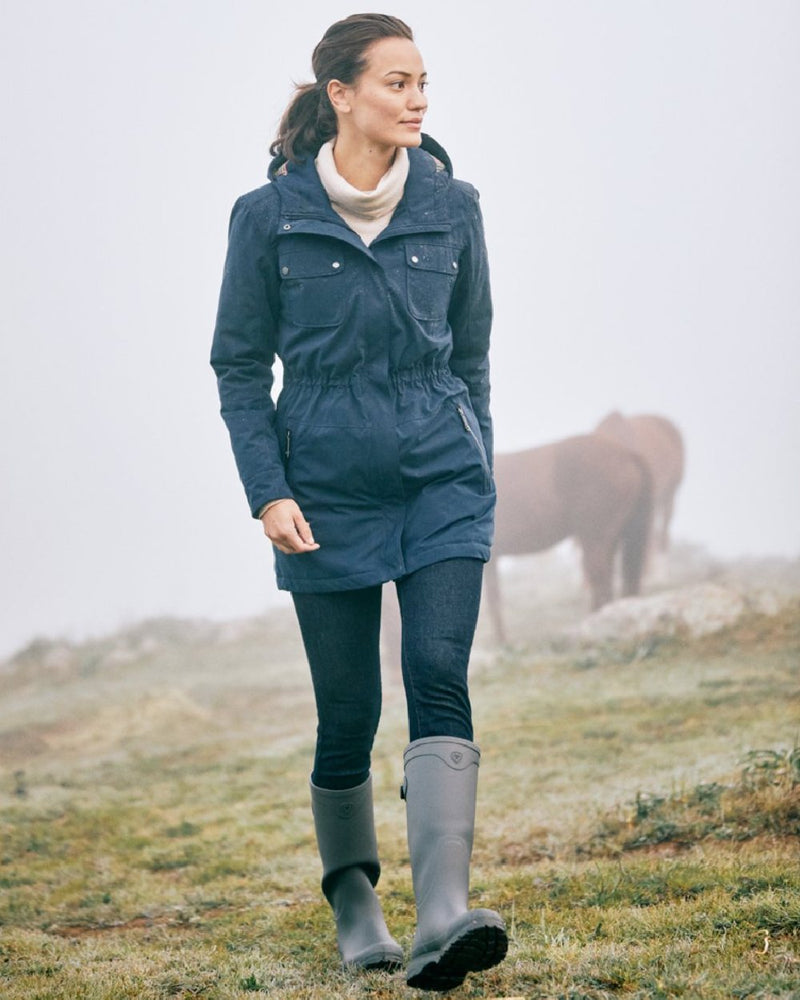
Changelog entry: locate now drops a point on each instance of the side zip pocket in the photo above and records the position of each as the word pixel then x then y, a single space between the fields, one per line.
pixel 473 435
pixel 287 451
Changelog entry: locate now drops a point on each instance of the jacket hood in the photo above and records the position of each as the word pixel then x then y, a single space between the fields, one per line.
pixel 429 144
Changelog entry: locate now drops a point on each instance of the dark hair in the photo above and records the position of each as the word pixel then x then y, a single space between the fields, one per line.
pixel 309 120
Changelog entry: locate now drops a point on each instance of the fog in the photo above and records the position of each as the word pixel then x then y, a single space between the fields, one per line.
pixel 638 164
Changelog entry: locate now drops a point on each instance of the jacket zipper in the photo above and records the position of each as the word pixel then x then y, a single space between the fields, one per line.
pixel 288 449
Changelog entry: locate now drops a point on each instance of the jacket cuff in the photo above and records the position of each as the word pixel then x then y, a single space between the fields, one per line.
pixel 270 503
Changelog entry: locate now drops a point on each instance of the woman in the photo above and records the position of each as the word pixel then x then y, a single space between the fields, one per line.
pixel 362 266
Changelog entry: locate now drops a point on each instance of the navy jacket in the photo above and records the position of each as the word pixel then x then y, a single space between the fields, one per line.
pixel 382 430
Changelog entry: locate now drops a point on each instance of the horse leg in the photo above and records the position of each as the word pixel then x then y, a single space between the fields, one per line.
pixel 391 634
pixel 666 519
pixel 637 536
pixel 598 568
pixel 491 579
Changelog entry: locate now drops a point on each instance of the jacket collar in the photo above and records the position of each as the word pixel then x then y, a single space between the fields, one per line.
pixel 305 206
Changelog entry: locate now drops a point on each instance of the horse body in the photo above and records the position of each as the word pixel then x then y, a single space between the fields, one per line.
pixel 659 442
pixel 530 515
pixel 585 487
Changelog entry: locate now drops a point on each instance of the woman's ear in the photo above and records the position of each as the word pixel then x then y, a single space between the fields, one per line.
pixel 339 96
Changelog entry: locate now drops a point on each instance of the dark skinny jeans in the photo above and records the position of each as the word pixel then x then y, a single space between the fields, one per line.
pixel 341 634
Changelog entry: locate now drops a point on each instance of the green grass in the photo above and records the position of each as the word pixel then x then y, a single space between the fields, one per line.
pixel 639 819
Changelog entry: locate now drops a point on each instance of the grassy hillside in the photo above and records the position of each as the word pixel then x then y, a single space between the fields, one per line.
pixel 639 810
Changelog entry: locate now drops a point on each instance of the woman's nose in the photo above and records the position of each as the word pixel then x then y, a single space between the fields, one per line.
pixel 417 99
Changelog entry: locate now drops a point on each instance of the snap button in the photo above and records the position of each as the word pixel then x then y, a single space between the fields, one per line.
pixel 284 270
pixel 415 259
pixel 455 265
pixel 287 225
pixel 336 264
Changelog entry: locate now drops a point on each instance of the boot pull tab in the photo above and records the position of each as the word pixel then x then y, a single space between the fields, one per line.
pixel 404 789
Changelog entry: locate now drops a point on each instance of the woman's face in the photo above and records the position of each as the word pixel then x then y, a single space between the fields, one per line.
pixel 387 102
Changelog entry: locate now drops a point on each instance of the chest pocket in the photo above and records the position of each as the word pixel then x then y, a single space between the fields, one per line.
pixel 430 273
pixel 312 289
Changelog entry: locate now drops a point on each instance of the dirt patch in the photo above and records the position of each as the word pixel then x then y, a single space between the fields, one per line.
pixel 19 744
pixel 177 921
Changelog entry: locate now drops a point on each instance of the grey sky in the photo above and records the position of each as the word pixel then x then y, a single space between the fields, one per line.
pixel 638 164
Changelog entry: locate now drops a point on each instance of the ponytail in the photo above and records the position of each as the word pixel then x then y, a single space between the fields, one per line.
pixel 307 123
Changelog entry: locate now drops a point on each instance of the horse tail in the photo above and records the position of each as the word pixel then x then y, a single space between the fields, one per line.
pixel 637 532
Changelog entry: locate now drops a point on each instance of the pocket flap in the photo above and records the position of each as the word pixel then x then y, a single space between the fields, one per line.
pixel 311 263
pixel 432 257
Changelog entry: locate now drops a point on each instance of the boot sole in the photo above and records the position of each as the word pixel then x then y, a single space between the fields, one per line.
pixel 382 965
pixel 473 950
pixel 381 959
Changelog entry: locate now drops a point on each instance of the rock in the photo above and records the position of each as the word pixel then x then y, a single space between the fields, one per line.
pixel 698 610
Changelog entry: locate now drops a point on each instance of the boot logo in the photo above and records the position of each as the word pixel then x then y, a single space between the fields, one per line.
pixel 345 810
pixel 456 756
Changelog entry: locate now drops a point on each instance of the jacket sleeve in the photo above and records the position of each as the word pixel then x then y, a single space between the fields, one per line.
pixel 243 354
pixel 470 318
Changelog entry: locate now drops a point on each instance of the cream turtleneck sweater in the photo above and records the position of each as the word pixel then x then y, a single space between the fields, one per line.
pixel 366 212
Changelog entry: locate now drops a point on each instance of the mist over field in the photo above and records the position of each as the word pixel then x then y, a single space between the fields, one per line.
pixel 638 169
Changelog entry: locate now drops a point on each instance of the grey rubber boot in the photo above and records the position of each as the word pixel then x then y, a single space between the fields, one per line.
pixel 348 848
pixel 441 782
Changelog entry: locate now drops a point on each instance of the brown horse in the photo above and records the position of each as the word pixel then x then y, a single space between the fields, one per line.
pixel 585 487
pixel 660 444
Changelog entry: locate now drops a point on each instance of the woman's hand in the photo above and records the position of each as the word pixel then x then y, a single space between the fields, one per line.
pixel 287 529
